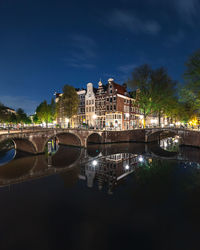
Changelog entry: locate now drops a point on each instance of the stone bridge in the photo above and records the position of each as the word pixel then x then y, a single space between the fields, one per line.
pixel 34 142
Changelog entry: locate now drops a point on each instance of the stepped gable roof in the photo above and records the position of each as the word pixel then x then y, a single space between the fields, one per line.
pixel 105 86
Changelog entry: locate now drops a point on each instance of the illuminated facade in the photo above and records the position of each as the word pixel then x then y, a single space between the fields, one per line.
pixel 90 106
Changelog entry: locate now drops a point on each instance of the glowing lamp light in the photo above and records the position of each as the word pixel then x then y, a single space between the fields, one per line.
pixel 127 167
pixel 94 163
pixel 140 159
pixel 127 115
pixel 66 120
pixel 94 116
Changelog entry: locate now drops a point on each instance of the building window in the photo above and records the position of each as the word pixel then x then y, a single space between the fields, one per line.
pixel 110 86
pixel 92 101
pixel 89 109
pixel 114 107
pixel 92 109
pixel 107 99
pixel 110 99
pixel 107 107
pixel 114 98
pixel 111 91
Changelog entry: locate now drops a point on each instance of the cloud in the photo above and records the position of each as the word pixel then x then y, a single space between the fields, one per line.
pixel 129 21
pixel 16 102
pixel 82 52
pixel 127 68
pixel 187 9
pixel 175 39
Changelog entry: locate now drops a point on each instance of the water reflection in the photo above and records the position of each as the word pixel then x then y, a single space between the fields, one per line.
pixel 108 170
pixel 154 203
pixel 100 166
pixel 170 144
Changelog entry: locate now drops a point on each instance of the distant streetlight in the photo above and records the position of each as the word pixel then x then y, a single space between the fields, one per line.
pixel 140 159
pixel 127 167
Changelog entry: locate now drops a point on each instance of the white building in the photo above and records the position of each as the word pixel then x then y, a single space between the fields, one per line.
pixel 90 105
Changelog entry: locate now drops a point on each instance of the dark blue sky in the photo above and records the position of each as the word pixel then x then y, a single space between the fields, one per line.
pixel 46 44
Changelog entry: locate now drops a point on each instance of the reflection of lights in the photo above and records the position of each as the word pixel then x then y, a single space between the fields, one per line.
pixel 94 163
pixel 127 115
pixel 127 167
pixel 140 159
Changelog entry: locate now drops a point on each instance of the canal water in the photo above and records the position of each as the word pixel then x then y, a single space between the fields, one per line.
pixel 118 196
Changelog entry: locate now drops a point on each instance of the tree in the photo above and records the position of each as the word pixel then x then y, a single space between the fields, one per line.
pixel 43 112
pixel 163 91
pixel 141 80
pixel 53 109
pixel 12 118
pixel 36 119
pixel 3 113
pixel 68 102
pixel 154 90
pixel 192 73
pixel 190 93
pixel 21 116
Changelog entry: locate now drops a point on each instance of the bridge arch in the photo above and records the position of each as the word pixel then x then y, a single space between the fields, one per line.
pixel 23 144
pixel 94 138
pixel 160 134
pixel 65 138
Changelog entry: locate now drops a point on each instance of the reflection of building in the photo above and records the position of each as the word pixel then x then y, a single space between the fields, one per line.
pixel 108 170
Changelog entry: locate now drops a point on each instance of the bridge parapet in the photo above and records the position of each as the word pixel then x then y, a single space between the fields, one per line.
pixel 34 141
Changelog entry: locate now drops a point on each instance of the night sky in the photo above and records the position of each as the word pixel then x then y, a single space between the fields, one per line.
pixel 45 44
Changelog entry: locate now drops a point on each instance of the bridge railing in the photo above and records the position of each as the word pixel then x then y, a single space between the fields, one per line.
pixel 38 129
